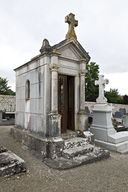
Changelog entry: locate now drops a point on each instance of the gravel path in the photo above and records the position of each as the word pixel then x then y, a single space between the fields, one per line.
pixel 109 175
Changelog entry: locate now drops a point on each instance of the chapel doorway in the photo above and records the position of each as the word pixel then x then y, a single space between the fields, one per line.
pixel 66 102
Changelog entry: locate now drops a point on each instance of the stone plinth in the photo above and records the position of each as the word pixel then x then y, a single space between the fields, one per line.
pixel 83 121
pixel 54 125
pixel 46 147
pixel 104 132
pixel 102 124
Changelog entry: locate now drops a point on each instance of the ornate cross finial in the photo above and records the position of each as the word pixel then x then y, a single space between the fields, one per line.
pixel 70 19
pixel 101 82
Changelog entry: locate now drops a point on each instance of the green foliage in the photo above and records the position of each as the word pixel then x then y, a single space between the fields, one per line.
pixel 113 96
pixel 91 90
pixel 4 88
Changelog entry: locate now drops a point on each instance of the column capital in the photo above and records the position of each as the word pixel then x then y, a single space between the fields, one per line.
pixel 82 67
pixel 54 67
pixel 83 61
pixel 82 72
pixel 55 53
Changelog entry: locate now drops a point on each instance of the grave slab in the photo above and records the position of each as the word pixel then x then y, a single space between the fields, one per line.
pixel 10 163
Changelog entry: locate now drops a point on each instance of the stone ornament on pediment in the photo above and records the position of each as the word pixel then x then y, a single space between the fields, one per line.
pixel 45 48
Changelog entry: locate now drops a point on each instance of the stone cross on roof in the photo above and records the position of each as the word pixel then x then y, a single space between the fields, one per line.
pixel 70 19
pixel 101 82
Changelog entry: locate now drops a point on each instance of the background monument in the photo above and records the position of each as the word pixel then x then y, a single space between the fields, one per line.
pixel 102 127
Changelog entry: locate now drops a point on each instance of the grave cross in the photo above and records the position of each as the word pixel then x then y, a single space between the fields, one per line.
pixel 70 19
pixel 101 82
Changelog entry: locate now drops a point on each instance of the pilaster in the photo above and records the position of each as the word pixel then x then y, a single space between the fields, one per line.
pixel 83 119
pixel 54 117
pixel 82 85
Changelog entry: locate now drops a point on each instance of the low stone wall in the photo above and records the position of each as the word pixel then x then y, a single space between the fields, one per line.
pixel 7 103
pixel 116 107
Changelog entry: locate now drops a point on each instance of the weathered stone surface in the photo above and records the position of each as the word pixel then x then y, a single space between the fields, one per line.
pixel 76 146
pixel 64 163
pixel 47 147
pixel 77 151
pixel 59 153
pixel 2 149
pixel 10 163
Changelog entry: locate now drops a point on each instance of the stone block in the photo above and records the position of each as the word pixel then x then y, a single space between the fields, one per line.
pixel 118 137
pixel 54 147
pixel 11 164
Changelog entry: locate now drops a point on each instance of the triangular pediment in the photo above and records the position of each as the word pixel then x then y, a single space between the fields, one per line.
pixel 71 50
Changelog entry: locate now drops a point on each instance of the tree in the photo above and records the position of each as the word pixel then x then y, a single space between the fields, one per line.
pixel 91 90
pixel 125 99
pixel 113 96
pixel 4 88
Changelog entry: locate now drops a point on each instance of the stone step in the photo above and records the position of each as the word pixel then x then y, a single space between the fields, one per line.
pixel 67 163
pixel 76 147
pixel 75 142
pixel 97 153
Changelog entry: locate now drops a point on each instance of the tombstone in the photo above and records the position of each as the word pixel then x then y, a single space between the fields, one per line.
pixel 10 163
pixel 125 120
pixel 50 88
pixel 123 111
pixel 102 128
pixel 118 114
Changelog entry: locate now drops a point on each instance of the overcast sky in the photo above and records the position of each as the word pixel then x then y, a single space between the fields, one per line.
pixel 102 30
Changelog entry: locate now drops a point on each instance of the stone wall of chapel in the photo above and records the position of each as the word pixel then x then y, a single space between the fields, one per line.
pixel 35 113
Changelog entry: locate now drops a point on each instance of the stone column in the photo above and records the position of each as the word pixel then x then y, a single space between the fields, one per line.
pixel 83 119
pixel 82 91
pixel 54 89
pixel 55 118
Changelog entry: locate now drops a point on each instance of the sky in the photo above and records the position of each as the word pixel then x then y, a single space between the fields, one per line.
pixel 102 30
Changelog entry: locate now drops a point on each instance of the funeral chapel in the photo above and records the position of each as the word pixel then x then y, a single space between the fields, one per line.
pixel 50 101
pixel 50 88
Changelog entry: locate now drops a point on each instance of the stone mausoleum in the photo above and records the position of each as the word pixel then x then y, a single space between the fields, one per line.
pixel 50 88
pixel 50 92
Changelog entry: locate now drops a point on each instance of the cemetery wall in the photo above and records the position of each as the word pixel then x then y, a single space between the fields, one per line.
pixel 116 107
pixel 7 103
